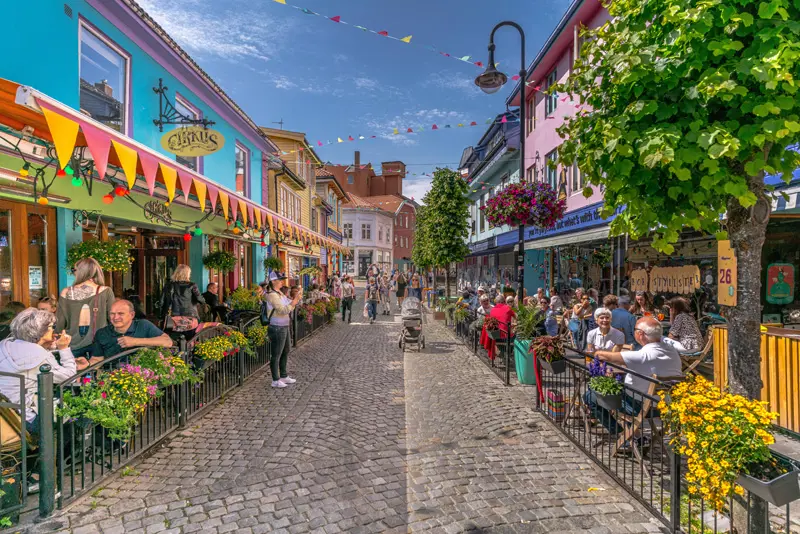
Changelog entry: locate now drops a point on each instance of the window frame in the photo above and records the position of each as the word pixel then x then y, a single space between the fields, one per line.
pixel 348 230
pixel 551 156
pixel 551 99
pixel 530 117
pixel 198 114
pixel 366 231
pixel 127 108
pixel 247 170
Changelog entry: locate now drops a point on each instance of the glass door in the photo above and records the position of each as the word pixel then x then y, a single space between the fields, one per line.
pixel 159 266
pixel 6 260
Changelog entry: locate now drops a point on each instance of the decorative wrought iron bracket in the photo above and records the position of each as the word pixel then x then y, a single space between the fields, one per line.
pixel 81 216
pixel 167 114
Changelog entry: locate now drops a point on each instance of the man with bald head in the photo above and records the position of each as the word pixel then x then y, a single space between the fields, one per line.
pixel 126 332
pixel 654 358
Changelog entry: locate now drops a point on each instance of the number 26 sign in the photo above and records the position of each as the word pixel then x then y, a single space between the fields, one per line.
pixel 726 274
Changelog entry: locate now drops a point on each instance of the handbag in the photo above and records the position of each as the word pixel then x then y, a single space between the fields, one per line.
pixel 178 323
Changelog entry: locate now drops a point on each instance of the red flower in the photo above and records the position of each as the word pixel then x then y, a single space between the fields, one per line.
pixel 103 394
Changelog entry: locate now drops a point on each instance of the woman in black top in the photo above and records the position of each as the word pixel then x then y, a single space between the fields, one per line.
pixel 179 301
pixel 401 289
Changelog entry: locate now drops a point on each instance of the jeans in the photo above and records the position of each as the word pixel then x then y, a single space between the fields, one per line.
pixel 372 309
pixel 387 305
pixel 630 406
pixel 347 307
pixel 279 345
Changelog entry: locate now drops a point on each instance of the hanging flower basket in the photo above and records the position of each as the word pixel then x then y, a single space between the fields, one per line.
pixel 531 204
pixel 220 260
pixel 111 255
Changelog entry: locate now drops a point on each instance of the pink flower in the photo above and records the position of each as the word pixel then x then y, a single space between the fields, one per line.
pixel 103 394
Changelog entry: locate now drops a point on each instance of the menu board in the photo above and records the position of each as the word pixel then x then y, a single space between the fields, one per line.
pixel 727 272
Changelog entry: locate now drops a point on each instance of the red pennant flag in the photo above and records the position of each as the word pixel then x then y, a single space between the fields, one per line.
pixel 515 77
pixel 434 127
pixel 504 119
pixel 300 149
pixel 337 18
pixel 350 138
pixel 473 123
pixel 538 87
pixel 319 143
pixel 384 33
pixel 445 54
pixel 410 130
pixel 373 137
pixel 565 98
pixel 478 63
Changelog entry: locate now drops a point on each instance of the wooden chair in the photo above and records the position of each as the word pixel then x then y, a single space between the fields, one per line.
pixel 690 360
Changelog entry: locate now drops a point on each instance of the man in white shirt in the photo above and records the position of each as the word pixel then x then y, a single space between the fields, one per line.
pixel 654 358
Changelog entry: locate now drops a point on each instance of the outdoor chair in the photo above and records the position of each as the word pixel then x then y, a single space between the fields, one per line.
pixel 11 429
pixel 690 360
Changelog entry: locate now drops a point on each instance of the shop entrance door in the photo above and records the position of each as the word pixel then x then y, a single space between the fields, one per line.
pixel 158 268
pixel 363 265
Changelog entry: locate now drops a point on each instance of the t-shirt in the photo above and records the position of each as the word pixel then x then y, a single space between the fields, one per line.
pixel 105 339
pixel 625 322
pixel 657 358
pixel 372 292
pixel 605 341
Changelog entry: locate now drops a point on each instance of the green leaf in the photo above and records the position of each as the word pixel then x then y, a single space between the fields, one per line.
pixel 716 150
pixel 721 236
pixel 753 167
pixel 588 192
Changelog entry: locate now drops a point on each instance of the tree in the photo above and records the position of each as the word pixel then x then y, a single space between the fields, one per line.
pixel 690 103
pixel 443 224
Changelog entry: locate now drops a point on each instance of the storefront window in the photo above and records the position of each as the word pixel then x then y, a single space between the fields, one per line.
pixel 242 170
pixel 6 260
pixel 37 256
pixel 103 80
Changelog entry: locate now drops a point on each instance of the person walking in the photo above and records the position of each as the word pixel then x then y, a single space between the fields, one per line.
pixel 387 304
pixel 415 290
pixel 372 297
pixel 83 307
pixel 279 307
pixel 401 283
pixel 179 302
pixel 348 297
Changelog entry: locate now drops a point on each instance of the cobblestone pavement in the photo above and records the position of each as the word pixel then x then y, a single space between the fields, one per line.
pixel 368 440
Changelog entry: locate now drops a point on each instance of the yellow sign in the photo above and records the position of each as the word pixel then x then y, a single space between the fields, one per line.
pixel 639 280
pixel 727 268
pixel 192 141
pixel 684 280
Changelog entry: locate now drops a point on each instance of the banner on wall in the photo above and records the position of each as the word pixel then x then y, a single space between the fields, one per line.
pixel 638 279
pixel 683 280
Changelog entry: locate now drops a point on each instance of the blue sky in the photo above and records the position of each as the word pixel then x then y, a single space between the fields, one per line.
pixel 331 80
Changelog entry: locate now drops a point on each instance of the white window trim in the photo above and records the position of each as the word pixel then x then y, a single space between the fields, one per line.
pixel 85 25
pixel 248 186
pixel 290 205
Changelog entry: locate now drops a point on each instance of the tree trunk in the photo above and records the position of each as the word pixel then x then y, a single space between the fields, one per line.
pixel 447 284
pixel 747 230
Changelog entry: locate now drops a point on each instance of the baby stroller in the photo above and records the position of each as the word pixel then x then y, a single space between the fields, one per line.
pixel 411 315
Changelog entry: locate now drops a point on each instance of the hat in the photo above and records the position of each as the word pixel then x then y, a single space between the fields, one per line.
pixel 482 288
pixel 275 275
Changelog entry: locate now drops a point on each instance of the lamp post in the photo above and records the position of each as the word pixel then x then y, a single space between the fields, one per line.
pixel 490 82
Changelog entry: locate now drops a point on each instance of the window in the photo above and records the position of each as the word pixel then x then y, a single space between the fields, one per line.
pixel 577 178
pixel 314 217
pixel 483 215
pixel 388 236
pixel 380 233
pixel 187 110
pixel 530 174
pixel 366 231
pixel 242 170
pixel 348 230
pixel 104 79
pixel 395 239
pixel 350 179
pixel 289 205
pixel 406 221
pixel 550 99
pixel 530 115
pixel 551 170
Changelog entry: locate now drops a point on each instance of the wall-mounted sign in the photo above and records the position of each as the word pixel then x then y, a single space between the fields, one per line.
pixel 35 275
pixel 192 141
pixel 683 280
pixel 157 211
pixel 638 279
pixel 727 272
pixel 780 283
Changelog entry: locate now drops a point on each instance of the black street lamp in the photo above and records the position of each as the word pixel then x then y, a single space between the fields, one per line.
pixel 490 82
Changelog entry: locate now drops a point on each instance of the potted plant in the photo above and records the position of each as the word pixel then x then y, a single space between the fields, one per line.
pixel 530 203
pixel 243 299
pixel 272 263
pixel 111 255
pixel 492 326
pixel 725 439
pixel 220 260
pixel 549 350
pixel 607 389
pixel 529 322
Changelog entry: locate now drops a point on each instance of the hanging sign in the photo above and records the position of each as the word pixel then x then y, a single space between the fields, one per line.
pixel 780 283
pixel 638 279
pixel 192 141
pixel 158 212
pixel 727 283
pixel 684 280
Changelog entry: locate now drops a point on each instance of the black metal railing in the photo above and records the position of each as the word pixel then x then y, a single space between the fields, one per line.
pixel 627 440
pixel 470 330
pixel 17 449
pixel 301 328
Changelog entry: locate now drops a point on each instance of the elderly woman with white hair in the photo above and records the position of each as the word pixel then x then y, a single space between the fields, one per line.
pixel 604 337
pixel 25 351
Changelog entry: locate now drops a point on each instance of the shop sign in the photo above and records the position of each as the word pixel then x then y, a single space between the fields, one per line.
pixel 480 246
pixel 780 283
pixel 35 274
pixel 684 280
pixel 579 219
pixel 157 211
pixel 638 280
pixel 727 283
pixel 192 141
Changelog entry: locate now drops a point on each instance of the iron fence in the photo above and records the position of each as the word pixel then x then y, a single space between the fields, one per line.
pixel 301 328
pixel 470 330
pixel 17 449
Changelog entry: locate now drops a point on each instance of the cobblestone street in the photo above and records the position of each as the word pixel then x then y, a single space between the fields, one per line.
pixel 368 440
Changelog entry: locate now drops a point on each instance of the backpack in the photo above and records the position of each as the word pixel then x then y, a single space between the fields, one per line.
pixel 265 315
pixel 373 292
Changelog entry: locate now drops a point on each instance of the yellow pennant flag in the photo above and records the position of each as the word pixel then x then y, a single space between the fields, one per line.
pixel 64 132
pixel 281 2
pixel 460 125
pixel 127 160
pixel 243 211
pixel 223 199
pixel 200 189
pixel 270 222
pixel 170 175
pixel 395 132
pixel 339 139
pixel 407 38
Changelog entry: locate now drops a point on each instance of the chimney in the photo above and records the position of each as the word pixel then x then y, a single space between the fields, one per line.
pixel 104 88
pixel 357 160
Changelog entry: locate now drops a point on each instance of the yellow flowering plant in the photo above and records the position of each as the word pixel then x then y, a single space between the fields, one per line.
pixel 721 435
pixel 240 342
pixel 111 255
pixel 257 335
pixel 214 349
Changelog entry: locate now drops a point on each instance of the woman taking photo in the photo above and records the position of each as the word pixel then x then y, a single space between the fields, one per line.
pixel 279 307
pixel 179 301
pixel 83 307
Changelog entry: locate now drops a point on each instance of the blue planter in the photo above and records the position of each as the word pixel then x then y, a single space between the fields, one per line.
pixel 524 363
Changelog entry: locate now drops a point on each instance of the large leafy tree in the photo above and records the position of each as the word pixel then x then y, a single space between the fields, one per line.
pixel 689 104
pixel 443 223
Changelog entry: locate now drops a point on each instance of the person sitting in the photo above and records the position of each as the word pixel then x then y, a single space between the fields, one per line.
pixel 179 300
pixel 25 351
pixel 550 321
pixel 643 305
pixel 485 306
pixel 684 333
pixel 11 310
pixel 604 337
pixel 220 311
pixel 125 332
pixel 48 303
pixel 654 358
pixel 621 319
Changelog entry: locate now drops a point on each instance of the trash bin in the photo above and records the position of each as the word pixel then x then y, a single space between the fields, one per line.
pixel 524 363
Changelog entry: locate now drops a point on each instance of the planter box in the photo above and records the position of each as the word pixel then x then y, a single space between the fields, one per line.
pixel 557 367
pixel 609 402
pixel 524 363
pixel 494 334
pixel 778 491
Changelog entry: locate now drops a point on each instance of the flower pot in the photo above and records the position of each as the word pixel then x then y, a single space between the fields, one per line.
pixel 609 402
pixel 557 367
pixel 494 334
pixel 778 491
pixel 524 363
pixel 438 315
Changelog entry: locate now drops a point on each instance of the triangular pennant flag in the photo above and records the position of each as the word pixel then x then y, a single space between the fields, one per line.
pixel 447 126
pixel 373 136
pixel 361 137
pixel 465 58
pixel 515 77
pixel 488 121
pixel 407 38
pixel 270 222
pixel 460 125
pixel 384 33
pixel 319 143
pixel 473 123
pixel 251 217
pixel 445 54
pixel 395 131
pixel 308 11
pixel 223 199
pixel 99 144
pixel 127 160
pixel 150 169
pixel 350 138
pixel 420 129
pixel 339 139
pixel 64 132
pixel 243 210
pixel 361 28
pixel 169 175
pixel 186 184
pixel 212 196
pixel 479 64
pixel 410 131
pixel 504 119
pixel 234 210
pixel 337 18
pixel 281 2
pixel 434 127
pixel 200 190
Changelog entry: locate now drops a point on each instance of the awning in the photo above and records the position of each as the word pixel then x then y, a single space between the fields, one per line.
pixel 24 108
pixel 569 239
pixel 789 204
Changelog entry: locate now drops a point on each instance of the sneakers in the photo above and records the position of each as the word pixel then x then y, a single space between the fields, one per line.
pixel 279 384
pixel 371 320
pixel 288 380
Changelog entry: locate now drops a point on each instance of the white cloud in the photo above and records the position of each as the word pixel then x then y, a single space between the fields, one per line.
pixel 234 34
pixel 453 81
pixel 365 83
pixel 417 187
pixel 283 82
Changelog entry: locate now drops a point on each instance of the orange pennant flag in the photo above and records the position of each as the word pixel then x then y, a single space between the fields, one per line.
pixel 270 222
pixel 170 175
pixel 200 189
pixel 223 199
pixel 243 210
pixel 127 159
pixel 64 132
